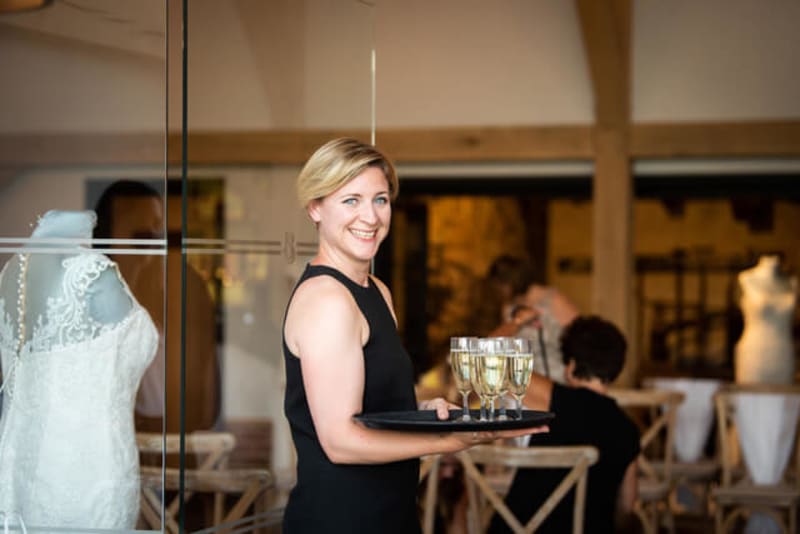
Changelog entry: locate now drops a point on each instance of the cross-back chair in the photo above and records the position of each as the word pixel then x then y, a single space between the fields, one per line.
pixel 692 470
pixel 429 474
pixel 768 415
pixel 655 410
pixel 210 475
pixel 484 498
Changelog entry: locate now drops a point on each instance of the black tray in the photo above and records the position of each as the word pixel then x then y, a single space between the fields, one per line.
pixel 426 421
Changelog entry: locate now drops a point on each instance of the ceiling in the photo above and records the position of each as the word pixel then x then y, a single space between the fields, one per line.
pixel 138 27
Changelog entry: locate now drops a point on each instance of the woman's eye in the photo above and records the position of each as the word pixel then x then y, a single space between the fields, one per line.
pixel 350 201
pixel 381 200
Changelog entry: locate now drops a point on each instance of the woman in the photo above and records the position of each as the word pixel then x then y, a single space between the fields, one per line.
pixel 528 309
pixel 344 357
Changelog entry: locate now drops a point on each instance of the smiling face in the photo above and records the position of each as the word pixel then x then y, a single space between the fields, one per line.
pixel 354 219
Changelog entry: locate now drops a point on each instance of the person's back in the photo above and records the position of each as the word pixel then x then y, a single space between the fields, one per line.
pixel 593 354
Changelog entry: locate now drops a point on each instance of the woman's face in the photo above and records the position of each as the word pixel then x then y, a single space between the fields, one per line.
pixel 354 219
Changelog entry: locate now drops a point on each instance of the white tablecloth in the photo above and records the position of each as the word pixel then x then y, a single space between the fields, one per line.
pixel 766 423
pixel 694 415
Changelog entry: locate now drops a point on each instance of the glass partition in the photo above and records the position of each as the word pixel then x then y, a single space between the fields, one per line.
pixel 270 70
pixel 83 245
pixel 142 293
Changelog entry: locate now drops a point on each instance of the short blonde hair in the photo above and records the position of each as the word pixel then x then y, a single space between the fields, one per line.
pixel 337 162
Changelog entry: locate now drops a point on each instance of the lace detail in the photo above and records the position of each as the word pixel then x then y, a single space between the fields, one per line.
pixel 6 327
pixel 7 347
pixel 68 453
pixel 68 321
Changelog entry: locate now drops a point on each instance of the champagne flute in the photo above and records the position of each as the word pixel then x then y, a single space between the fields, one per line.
pixel 491 371
pixel 507 347
pixel 520 367
pixel 461 351
pixel 476 384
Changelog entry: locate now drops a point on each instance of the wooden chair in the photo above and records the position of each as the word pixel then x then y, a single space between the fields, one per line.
pixel 655 409
pixel 698 475
pixel 484 497
pixel 210 475
pixel 738 495
pixel 429 474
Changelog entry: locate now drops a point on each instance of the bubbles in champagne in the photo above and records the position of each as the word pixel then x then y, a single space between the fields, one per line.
pixel 460 361
pixel 520 367
pixel 491 373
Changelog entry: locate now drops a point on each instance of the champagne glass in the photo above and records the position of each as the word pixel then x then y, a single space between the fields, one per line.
pixel 520 367
pixel 461 351
pixel 491 371
pixel 507 347
pixel 476 384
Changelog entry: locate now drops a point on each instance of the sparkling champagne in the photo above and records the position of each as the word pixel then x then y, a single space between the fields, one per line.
pixel 460 361
pixel 491 374
pixel 520 367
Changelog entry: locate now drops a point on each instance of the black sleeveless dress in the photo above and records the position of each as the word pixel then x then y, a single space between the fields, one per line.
pixel 342 498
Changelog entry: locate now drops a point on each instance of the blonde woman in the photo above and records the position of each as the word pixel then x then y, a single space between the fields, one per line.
pixel 344 356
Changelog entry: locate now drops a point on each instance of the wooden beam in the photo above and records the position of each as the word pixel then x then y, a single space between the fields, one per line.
pixel 607 46
pixel 510 143
pixel 25 150
pixel 498 143
pixel 294 147
pixel 606 36
pixel 709 140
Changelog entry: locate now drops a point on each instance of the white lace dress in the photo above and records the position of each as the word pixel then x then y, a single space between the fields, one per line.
pixel 68 454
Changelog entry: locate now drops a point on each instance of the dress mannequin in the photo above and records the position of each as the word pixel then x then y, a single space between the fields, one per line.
pixel 765 352
pixel 73 346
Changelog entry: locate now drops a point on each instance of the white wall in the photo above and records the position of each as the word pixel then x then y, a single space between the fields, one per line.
pixel 57 84
pixel 715 60
pixel 257 64
pixel 472 62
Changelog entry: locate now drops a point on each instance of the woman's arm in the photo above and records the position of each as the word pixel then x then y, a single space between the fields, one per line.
pixel 327 331
pixel 628 490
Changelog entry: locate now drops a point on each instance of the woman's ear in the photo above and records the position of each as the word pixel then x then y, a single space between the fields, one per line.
pixel 313 210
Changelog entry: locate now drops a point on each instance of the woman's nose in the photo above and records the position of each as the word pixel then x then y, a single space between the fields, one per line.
pixel 369 213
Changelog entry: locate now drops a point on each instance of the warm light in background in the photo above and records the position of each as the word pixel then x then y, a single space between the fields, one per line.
pixel 13 6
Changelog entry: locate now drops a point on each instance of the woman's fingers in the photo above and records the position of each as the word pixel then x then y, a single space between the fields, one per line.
pixel 441 405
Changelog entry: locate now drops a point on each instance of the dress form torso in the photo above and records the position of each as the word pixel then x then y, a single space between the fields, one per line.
pixel 765 352
pixel 73 345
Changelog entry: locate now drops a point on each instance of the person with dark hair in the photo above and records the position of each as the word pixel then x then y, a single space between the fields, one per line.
pixel 129 209
pixel 593 352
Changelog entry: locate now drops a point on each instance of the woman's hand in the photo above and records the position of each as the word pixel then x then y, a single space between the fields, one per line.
pixel 522 315
pixel 476 438
pixel 441 405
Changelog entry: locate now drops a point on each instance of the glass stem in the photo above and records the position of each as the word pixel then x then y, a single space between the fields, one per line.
pixel 465 404
pixel 519 407
pixel 491 408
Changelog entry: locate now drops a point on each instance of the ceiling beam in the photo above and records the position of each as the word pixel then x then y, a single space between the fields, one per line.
pixel 295 146
pixel 746 139
pixel 716 140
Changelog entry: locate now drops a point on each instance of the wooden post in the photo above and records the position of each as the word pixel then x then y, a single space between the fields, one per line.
pixel 605 26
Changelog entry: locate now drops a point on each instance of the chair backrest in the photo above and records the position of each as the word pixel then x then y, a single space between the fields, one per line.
pixel 429 474
pixel 484 499
pixel 758 426
pixel 658 409
pixel 207 453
